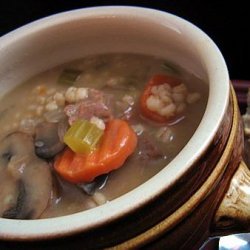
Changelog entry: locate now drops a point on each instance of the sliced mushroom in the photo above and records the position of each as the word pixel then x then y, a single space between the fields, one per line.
pixel 38 185
pixel 15 209
pixel 47 140
pixel 25 180
pixel 10 190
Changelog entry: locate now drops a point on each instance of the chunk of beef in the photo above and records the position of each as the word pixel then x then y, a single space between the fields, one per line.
pixel 147 148
pixel 96 104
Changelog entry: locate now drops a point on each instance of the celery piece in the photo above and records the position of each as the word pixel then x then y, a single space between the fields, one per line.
pixel 169 68
pixel 83 136
pixel 69 76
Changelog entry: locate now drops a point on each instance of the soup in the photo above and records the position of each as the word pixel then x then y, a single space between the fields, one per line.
pixel 84 133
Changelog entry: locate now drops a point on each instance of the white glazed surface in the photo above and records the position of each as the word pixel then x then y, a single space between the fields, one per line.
pixel 63 37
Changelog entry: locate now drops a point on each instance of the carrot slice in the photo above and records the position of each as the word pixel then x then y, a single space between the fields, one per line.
pixel 154 81
pixel 118 142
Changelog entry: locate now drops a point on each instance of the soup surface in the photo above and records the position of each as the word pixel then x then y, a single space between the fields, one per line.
pixel 84 133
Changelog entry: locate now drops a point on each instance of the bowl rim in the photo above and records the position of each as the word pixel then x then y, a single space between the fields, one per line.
pixel 202 138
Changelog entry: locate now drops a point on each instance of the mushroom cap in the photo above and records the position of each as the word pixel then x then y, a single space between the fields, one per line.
pixel 47 140
pixel 25 180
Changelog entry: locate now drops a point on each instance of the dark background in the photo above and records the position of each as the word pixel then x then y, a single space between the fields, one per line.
pixel 226 22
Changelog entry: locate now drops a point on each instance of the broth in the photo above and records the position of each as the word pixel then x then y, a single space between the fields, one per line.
pixel 119 80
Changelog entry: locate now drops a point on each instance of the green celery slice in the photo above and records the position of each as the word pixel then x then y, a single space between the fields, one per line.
pixel 83 136
pixel 69 76
pixel 169 68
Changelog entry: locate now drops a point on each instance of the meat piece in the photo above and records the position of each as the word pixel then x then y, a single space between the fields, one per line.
pixel 147 148
pixel 97 104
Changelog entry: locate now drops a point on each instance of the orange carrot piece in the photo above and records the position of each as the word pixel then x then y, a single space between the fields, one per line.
pixel 118 142
pixel 154 81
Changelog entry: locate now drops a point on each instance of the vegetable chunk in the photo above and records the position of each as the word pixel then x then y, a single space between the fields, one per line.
pixel 83 136
pixel 165 98
pixel 118 142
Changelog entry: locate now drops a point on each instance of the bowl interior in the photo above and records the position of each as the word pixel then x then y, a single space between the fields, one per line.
pixel 64 37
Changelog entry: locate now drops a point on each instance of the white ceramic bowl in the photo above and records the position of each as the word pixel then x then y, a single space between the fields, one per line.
pixel 63 37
